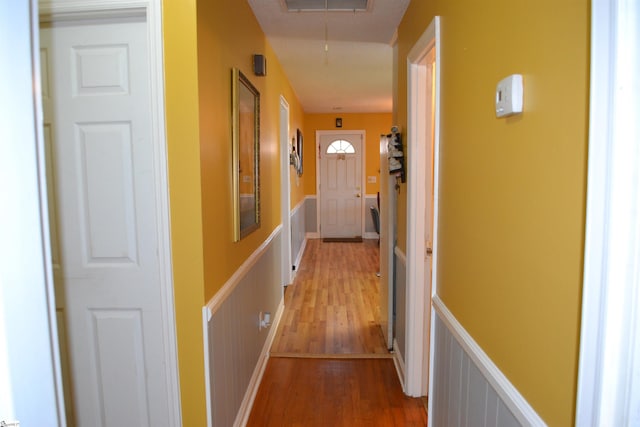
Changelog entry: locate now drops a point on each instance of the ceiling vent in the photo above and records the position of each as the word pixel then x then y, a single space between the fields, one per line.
pixel 327 5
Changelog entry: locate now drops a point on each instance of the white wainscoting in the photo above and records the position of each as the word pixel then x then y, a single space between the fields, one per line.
pixel 468 388
pixel 311 217
pixel 400 292
pixel 370 200
pixel 298 233
pixel 235 347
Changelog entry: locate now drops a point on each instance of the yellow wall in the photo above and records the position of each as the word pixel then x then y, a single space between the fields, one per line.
pixel 202 42
pixel 297 183
pixel 228 36
pixel 181 92
pixel 512 194
pixel 374 124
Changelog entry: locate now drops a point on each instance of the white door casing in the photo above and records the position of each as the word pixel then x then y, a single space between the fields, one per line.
pixel 103 141
pixel 422 149
pixel 387 244
pixel 30 386
pixel 285 193
pixel 340 185
pixel 608 390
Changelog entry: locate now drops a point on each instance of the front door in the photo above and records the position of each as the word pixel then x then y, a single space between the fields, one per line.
pixel 341 197
pixel 103 197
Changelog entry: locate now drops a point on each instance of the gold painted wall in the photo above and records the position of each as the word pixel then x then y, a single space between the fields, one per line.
pixel 297 183
pixel 181 93
pixel 202 41
pixel 512 191
pixel 374 124
pixel 228 36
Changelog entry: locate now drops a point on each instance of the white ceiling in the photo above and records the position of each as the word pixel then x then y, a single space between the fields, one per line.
pixel 354 74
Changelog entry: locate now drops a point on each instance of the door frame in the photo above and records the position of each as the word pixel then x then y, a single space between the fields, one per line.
pixel 58 10
pixel 30 373
pixel 609 359
pixel 419 310
pixel 285 192
pixel 363 178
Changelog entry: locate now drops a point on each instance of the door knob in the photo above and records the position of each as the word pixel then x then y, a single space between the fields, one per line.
pixel 358 195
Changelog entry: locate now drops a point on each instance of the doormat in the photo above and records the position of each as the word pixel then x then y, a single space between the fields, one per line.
pixel 342 239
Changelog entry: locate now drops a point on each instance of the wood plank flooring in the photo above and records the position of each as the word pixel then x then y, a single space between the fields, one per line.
pixel 316 392
pixel 329 365
pixel 332 307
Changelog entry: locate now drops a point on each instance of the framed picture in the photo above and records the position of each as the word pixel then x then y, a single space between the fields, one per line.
pixel 245 155
pixel 299 145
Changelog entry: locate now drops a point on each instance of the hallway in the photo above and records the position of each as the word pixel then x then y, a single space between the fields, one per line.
pixel 328 364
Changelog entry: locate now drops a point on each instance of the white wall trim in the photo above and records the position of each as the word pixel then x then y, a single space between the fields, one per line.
pixel 27 303
pixel 312 235
pixel 158 129
pixel 398 361
pixel 418 311
pixel 608 390
pixel 297 207
pixel 252 389
pixel 285 192
pixel 227 289
pixel 206 318
pixel 61 11
pixel 510 395
pixel 298 260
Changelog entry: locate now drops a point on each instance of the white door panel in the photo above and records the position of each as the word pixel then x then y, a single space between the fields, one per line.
pixel 97 115
pixel 341 194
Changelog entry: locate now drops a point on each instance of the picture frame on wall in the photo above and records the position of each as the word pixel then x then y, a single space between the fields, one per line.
pixel 299 145
pixel 245 102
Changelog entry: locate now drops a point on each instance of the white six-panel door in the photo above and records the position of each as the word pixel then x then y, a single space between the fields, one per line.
pixel 341 194
pixel 97 130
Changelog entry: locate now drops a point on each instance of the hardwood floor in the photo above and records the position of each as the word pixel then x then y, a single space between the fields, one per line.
pixel 332 307
pixel 329 392
pixel 329 365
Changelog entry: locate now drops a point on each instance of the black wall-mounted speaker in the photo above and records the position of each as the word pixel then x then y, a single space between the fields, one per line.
pixel 259 65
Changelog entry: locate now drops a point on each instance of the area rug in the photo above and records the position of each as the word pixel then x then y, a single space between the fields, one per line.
pixel 342 239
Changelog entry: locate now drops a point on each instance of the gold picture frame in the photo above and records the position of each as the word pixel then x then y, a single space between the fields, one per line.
pixel 245 100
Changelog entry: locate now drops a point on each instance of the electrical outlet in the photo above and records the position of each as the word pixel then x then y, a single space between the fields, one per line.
pixel 264 320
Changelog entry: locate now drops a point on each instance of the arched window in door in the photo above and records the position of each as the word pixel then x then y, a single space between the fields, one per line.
pixel 340 146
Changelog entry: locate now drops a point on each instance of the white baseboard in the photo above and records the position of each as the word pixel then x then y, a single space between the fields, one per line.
pixel 312 235
pixel 372 235
pixel 296 263
pixel 506 391
pixel 252 389
pixel 398 361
